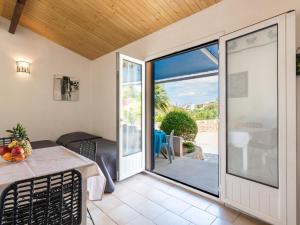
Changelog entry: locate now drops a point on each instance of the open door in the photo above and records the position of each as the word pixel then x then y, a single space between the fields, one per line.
pixel 130 116
pixel 257 139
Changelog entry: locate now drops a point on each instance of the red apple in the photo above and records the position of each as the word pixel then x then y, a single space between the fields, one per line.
pixel 4 150
pixel 17 151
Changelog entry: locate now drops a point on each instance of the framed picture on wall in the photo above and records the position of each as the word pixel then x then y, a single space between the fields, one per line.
pixel 66 88
pixel 298 64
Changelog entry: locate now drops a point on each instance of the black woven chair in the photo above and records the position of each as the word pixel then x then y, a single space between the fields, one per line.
pixel 5 141
pixel 49 200
pixel 88 149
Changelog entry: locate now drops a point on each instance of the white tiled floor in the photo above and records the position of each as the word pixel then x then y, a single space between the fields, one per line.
pixel 145 200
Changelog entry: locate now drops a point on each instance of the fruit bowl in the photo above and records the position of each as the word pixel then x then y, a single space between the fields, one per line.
pixel 15 154
pixel 19 148
pixel 8 157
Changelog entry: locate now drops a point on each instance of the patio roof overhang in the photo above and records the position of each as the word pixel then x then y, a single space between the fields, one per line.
pixel 198 62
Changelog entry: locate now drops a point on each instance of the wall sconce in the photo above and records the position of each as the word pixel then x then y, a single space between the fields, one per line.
pixel 23 67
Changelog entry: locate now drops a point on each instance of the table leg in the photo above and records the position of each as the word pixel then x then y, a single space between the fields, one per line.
pixel 164 154
pixel 84 200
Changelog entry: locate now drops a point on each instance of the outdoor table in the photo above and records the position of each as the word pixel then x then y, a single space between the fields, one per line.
pixel 241 137
pixel 52 160
pixel 159 139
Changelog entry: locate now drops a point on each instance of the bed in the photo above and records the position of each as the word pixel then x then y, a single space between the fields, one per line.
pixel 106 156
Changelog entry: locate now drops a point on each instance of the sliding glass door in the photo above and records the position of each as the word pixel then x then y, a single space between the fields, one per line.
pixel 252 106
pixel 253 120
pixel 185 124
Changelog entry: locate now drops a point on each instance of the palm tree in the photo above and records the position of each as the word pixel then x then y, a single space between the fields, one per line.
pixel 161 100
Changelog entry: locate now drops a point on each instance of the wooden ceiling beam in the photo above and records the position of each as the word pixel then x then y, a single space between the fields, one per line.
pixel 16 16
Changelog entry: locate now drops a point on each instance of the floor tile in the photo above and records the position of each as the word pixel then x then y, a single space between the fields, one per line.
pixel 123 214
pixel 246 220
pixel 219 221
pixel 100 218
pixel 141 220
pixel 198 216
pixel 175 205
pixel 133 199
pixel 169 218
pixel 197 201
pixel 91 205
pixel 108 203
pixel 177 192
pixel 141 188
pixel 156 196
pixel 159 184
pixel 131 181
pixel 150 209
pixel 146 178
pixel 122 190
pixel 223 212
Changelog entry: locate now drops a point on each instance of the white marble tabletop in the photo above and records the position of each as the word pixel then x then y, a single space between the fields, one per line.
pixel 51 160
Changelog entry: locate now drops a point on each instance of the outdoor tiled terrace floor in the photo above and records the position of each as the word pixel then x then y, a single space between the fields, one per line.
pixel 201 174
pixel 145 200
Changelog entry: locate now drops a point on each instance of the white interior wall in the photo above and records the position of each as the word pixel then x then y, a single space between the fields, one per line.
pixel 29 100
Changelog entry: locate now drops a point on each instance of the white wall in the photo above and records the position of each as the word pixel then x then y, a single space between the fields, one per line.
pixel 30 100
pixel 225 17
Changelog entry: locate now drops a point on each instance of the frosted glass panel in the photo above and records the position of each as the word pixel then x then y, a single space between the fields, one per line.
pixel 252 150
pixel 131 109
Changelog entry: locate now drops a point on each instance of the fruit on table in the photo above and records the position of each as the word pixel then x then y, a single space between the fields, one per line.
pixel 4 150
pixel 12 144
pixel 25 144
pixel 19 134
pixel 18 158
pixel 17 151
pixel 7 156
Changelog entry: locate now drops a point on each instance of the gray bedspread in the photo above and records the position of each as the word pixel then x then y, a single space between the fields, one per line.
pixel 106 156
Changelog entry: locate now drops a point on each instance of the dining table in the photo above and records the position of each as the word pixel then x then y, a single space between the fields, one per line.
pixel 46 161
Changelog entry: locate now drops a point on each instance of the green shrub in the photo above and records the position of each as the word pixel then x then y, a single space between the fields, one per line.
pixel 189 145
pixel 206 111
pixel 159 116
pixel 182 124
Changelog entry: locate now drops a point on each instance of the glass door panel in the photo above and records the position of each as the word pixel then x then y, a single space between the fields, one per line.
pixel 131 119
pixel 252 109
pixel 131 112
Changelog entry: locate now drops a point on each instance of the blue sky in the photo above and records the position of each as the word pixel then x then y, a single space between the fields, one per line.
pixel 194 91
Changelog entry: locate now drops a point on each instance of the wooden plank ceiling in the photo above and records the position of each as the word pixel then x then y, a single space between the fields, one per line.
pixel 93 28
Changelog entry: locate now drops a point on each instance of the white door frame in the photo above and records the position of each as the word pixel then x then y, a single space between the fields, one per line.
pixel 135 163
pixel 182 47
pixel 287 125
pixel 291 119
